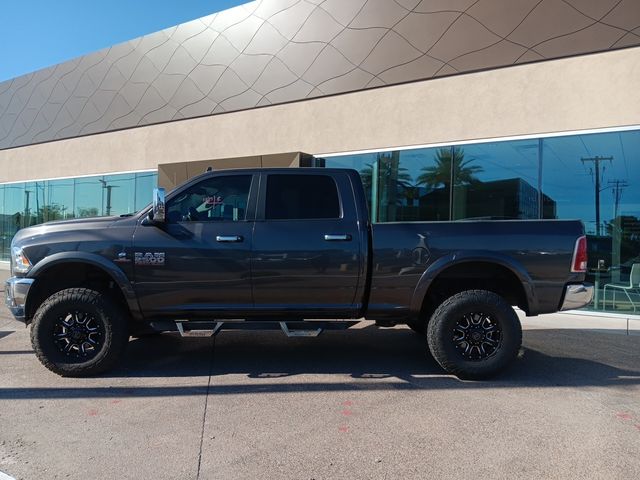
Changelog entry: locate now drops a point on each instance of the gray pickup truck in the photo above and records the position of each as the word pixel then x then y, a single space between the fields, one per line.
pixel 289 248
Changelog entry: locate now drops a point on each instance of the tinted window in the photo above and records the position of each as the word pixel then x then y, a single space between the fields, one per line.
pixel 214 199
pixel 301 197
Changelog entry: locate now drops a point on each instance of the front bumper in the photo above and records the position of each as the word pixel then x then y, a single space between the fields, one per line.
pixel 577 296
pixel 16 290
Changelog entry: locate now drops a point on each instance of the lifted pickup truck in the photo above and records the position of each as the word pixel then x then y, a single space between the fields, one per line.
pixel 267 247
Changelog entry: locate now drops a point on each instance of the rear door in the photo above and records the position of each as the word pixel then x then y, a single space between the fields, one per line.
pixel 306 256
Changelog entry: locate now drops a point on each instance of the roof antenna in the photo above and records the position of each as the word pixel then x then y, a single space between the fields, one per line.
pixel 209 169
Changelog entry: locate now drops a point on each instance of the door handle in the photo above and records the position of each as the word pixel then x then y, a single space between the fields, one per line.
pixel 228 238
pixel 332 237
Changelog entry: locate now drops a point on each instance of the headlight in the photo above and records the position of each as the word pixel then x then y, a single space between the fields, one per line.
pixel 19 261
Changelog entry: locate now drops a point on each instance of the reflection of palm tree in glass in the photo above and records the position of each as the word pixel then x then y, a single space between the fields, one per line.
pixel 440 173
pixel 388 172
pixel 366 174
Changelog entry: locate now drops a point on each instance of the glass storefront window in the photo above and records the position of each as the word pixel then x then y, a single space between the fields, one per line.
pixel 405 185
pixel 145 183
pixel 118 194
pixel 60 204
pixel 31 203
pixel 34 207
pixel 14 208
pixel 496 180
pixel 4 237
pixel 88 197
pixel 595 178
pixel 419 183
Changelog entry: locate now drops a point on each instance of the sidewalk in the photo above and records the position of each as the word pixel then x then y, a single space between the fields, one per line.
pixel 583 320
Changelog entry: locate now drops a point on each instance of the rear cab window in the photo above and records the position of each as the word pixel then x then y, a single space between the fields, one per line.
pixel 302 197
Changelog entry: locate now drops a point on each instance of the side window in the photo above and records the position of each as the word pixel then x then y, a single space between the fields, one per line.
pixel 301 197
pixel 216 199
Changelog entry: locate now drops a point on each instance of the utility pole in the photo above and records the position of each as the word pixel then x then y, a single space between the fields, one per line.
pixel 596 162
pixel 617 186
pixel 108 188
pixel 616 231
pixel 27 214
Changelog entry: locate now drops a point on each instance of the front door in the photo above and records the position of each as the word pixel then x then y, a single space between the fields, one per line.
pixel 197 264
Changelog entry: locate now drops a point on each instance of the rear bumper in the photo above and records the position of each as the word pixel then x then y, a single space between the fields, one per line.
pixel 15 292
pixel 577 296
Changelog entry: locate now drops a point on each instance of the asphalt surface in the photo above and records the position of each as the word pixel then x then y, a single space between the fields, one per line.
pixel 366 403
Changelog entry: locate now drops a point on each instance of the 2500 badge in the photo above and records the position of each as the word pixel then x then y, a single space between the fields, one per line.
pixel 149 258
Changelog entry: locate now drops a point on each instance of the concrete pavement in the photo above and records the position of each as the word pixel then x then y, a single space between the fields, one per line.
pixel 360 404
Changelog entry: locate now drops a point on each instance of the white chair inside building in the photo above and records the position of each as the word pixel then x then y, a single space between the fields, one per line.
pixel 633 287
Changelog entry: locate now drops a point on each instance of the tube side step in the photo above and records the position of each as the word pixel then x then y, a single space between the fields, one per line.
pixel 198 332
pixel 294 328
pixel 299 332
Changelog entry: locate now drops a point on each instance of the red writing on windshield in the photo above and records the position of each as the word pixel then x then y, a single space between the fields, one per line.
pixel 213 201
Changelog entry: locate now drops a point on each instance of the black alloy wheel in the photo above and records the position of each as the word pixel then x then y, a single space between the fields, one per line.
pixel 477 336
pixel 78 334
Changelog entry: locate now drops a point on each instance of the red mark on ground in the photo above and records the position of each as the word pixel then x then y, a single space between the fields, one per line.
pixel 93 412
pixel 623 415
pixel 115 401
pixel 348 403
pixel 637 425
pixel 343 429
pixel 346 413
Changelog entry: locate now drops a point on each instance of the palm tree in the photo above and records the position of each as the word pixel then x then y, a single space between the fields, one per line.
pixel 440 173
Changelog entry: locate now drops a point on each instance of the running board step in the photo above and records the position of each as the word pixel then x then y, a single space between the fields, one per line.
pixel 291 329
pixel 299 333
pixel 198 332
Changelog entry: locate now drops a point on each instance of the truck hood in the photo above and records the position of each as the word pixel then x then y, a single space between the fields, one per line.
pixel 101 236
pixel 65 225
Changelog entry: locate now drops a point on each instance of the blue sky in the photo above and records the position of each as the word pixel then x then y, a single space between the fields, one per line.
pixel 39 33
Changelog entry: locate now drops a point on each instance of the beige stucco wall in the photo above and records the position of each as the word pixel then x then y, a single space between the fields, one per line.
pixel 592 91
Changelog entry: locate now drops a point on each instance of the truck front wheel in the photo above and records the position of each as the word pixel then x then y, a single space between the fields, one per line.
pixel 79 332
pixel 474 334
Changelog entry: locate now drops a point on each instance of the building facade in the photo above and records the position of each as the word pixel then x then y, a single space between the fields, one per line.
pixel 450 110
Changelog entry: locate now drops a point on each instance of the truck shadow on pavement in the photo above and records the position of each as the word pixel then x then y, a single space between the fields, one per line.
pixel 378 358
pixel 365 359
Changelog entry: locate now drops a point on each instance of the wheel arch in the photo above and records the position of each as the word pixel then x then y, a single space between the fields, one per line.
pixel 467 268
pixel 70 269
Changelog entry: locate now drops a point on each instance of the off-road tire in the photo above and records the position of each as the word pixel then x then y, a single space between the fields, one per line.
pixel 445 338
pixel 105 315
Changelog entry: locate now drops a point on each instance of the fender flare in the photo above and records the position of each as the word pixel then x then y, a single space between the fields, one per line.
pixel 468 256
pixel 95 260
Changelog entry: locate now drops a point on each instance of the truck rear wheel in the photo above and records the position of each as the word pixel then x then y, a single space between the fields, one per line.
pixel 474 334
pixel 79 332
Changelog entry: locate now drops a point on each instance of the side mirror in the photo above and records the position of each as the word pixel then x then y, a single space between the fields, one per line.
pixel 158 205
